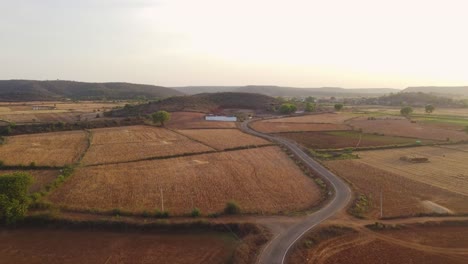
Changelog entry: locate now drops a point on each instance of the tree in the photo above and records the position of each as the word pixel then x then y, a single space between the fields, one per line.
pixel 161 117
pixel 338 107
pixel 232 208
pixel 406 111
pixel 310 99
pixel 287 108
pixel 310 107
pixel 429 108
pixel 14 200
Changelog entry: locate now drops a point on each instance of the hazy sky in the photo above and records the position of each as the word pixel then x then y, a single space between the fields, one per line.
pixel 305 43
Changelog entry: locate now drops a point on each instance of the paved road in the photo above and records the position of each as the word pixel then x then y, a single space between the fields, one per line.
pixel 276 251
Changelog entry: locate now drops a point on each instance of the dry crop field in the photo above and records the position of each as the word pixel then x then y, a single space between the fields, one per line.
pixel 277 127
pixel 41 177
pixel 194 120
pixel 122 144
pixel 396 126
pixel 46 149
pixel 402 196
pixel 412 244
pixel 223 138
pixel 73 246
pixel 327 118
pixel 260 180
pixel 446 169
pixel 344 139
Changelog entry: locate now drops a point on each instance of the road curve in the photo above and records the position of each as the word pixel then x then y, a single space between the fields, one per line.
pixel 277 250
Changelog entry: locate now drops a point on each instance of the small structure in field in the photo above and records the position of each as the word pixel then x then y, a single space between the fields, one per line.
pixel 220 118
pixel 414 159
pixel 43 107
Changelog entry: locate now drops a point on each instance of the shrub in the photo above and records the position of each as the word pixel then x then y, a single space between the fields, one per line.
pixel 195 212
pixel 32 164
pixel 146 214
pixel 161 214
pixel 338 107
pixel 406 111
pixel 14 200
pixel 287 108
pixel 232 208
pixel 116 212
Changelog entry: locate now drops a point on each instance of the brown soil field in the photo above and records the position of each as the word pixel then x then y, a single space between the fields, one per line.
pixel 260 180
pixel 277 127
pixel 328 118
pixel 193 120
pixel 121 144
pixel 77 246
pixel 414 245
pixel 446 169
pixel 402 196
pixel 40 117
pixel 344 139
pixel 41 177
pixel 46 149
pixel 403 127
pixel 223 138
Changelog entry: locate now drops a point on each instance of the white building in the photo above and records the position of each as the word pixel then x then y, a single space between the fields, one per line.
pixel 221 118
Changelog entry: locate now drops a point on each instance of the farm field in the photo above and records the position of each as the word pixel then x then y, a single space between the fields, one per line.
pixel 396 126
pixel 327 118
pixel 194 120
pixel 412 244
pixel 223 138
pixel 81 246
pixel 45 149
pixel 345 139
pixel 402 196
pixel 123 144
pixel 260 180
pixel 446 169
pixel 277 127
pixel 41 177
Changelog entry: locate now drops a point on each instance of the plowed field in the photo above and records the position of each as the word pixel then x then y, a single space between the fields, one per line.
pixel 223 138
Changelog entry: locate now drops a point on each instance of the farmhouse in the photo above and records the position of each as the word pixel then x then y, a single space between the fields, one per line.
pixel 221 118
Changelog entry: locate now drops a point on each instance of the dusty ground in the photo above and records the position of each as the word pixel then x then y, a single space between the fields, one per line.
pixel 329 118
pixel 412 244
pixel 277 127
pixel 66 246
pixel 260 180
pixel 194 120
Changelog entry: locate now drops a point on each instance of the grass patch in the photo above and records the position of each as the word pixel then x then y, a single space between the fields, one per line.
pixel 360 206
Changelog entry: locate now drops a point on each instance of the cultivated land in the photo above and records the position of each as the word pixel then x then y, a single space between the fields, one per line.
pixel 41 177
pixel 328 118
pixel 81 246
pixel 47 149
pixel 277 127
pixel 194 120
pixel 260 180
pixel 345 139
pixel 446 169
pixel 223 138
pixel 397 126
pixel 401 195
pixel 122 144
pixel 411 244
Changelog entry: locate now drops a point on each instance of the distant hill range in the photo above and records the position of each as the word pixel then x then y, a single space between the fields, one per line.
pixel 440 90
pixel 289 91
pixel 205 102
pixel 28 90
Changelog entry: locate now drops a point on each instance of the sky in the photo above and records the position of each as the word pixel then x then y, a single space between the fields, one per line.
pixel 301 43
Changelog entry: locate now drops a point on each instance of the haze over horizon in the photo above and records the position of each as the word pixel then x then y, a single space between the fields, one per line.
pixel 297 43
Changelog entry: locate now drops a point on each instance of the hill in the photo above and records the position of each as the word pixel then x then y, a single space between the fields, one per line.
pixel 441 90
pixel 205 102
pixel 29 90
pixel 289 91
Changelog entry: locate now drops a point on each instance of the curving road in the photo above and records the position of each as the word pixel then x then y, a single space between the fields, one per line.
pixel 276 251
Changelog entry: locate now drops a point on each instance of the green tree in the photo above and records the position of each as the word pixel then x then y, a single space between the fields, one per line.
pixel 310 107
pixel 310 99
pixel 232 208
pixel 338 107
pixel 406 111
pixel 287 108
pixel 14 200
pixel 429 108
pixel 161 117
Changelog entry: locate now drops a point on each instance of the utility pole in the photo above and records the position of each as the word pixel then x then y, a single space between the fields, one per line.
pixel 162 199
pixel 381 203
